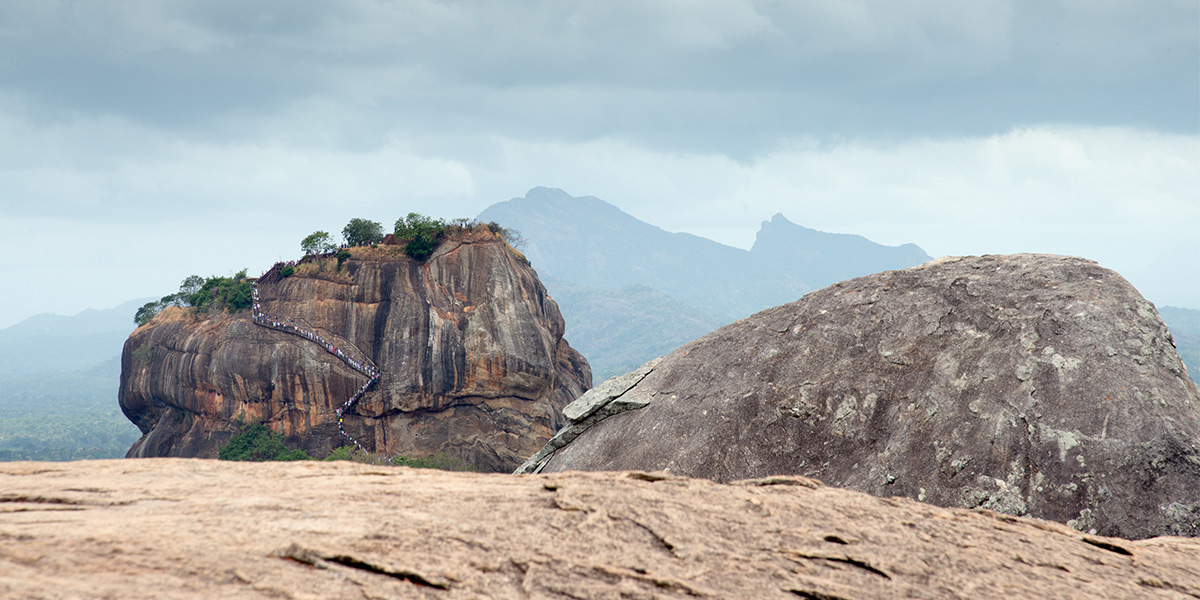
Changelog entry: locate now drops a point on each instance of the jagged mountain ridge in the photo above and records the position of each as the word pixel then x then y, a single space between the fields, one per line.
pixel 821 258
pixel 588 241
pixel 585 241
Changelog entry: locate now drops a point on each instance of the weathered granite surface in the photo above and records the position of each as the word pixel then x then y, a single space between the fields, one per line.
pixel 471 349
pixel 181 529
pixel 1027 384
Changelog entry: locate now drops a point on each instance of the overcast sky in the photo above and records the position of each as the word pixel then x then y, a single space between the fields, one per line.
pixel 142 141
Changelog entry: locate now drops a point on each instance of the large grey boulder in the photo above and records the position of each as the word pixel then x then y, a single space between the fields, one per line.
pixel 1027 384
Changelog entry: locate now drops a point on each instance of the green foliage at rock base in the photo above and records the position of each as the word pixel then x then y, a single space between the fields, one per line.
pixel 257 443
pixel 442 461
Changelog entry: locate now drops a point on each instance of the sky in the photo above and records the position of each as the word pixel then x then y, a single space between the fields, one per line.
pixel 142 141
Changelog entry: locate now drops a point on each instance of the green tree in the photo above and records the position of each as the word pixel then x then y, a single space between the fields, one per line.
pixel 423 234
pixel 317 242
pixel 361 232
pixel 190 285
pixel 147 312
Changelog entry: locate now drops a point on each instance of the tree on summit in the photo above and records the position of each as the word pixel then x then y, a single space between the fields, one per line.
pixel 318 242
pixel 190 286
pixel 361 232
pixel 423 234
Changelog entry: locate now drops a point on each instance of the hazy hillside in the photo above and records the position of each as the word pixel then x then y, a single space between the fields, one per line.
pixel 57 344
pixel 618 329
pixel 1184 324
pixel 631 291
pixel 64 416
pixel 58 386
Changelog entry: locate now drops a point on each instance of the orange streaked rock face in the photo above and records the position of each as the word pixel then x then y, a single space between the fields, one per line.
pixel 470 346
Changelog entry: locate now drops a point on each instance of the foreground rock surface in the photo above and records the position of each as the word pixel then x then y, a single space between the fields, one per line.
pixel 186 528
pixel 471 350
pixel 1027 384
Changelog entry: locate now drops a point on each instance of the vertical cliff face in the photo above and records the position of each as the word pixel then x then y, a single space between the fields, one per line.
pixel 469 345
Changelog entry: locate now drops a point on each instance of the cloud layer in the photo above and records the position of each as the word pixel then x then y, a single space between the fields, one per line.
pixel 143 141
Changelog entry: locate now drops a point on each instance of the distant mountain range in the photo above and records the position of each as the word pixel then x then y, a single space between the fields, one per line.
pixel 631 291
pixel 590 242
pixel 48 343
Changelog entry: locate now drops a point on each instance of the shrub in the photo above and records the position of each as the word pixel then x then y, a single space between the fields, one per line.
pixel 342 256
pixel 258 443
pixel 323 268
pixel 353 454
pixel 228 293
pixel 143 352
pixel 343 453
pixel 440 461
pixel 287 271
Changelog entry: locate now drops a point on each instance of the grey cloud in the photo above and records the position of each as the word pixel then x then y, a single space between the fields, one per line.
pixel 708 76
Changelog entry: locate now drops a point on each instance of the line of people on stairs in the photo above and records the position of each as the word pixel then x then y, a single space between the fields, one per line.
pixel 373 374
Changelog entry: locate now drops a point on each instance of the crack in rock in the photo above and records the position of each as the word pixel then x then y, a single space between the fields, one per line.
pixel 315 559
pixel 841 559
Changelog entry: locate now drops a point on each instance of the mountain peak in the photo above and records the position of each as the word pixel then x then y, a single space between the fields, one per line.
pixel 547 194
